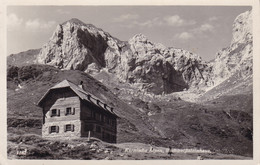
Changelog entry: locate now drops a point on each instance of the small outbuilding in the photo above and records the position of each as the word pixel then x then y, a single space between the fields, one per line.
pixel 70 111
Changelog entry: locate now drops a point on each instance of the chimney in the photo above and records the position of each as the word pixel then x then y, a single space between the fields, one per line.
pixel 98 102
pixel 81 85
pixel 89 97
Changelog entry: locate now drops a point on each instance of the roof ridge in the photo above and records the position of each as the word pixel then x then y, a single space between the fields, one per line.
pixel 84 95
pixel 105 107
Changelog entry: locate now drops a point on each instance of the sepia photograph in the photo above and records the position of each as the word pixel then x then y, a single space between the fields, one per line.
pixel 129 82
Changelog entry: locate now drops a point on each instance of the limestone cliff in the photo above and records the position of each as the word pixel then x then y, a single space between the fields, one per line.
pixel 80 46
pixel 238 57
pixel 75 45
pixel 161 69
pixel 154 67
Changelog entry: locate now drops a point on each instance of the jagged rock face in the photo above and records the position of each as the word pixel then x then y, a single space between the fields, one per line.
pixel 242 28
pixel 153 67
pixel 160 69
pixel 238 57
pixel 75 45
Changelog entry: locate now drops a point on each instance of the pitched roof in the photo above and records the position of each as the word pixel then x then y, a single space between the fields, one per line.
pixel 81 93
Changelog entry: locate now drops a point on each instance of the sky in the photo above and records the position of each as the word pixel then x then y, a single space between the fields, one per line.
pixel 201 29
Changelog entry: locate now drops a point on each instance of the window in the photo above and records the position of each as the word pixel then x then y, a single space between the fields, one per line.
pixel 54 129
pixel 105 119
pixel 113 138
pixel 69 127
pixel 102 118
pixel 93 114
pixel 98 129
pixel 70 111
pixel 88 127
pixel 97 116
pixel 108 136
pixel 113 123
pixel 55 112
pixel 108 120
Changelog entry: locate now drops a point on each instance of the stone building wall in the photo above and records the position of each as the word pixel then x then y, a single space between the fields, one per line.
pixel 61 129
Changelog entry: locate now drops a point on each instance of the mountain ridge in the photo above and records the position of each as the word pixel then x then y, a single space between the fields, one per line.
pixel 123 58
pixel 77 45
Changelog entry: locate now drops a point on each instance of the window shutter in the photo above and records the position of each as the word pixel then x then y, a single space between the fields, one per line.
pixel 57 129
pixel 73 111
pixel 64 128
pixel 49 129
pixel 72 127
pixel 50 113
pixel 65 112
pixel 58 112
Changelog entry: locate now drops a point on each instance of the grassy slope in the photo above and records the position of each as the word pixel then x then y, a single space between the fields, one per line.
pixel 36 80
pixel 222 123
pixel 81 149
pixel 180 124
pixel 23 58
pixel 200 126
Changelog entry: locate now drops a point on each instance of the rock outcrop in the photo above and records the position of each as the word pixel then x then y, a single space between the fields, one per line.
pixel 75 45
pixel 238 57
pixel 160 69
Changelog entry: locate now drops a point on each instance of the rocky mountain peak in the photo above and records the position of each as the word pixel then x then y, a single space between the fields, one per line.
pixel 238 57
pixel 74 45
pixel 74 21
pixel 78 23
pixel 242 28
pixel 139 38
pixel 79 46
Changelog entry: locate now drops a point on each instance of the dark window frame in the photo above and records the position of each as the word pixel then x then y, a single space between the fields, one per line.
pixel 69 111
pixel 98 129
pixel 97 116
pixel 69 127
pixel 113 123
pixel 54 129
pixel 55 112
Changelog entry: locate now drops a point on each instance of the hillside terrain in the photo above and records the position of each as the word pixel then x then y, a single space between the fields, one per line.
pixel 23 58
pixel 163 96
pixel 176 122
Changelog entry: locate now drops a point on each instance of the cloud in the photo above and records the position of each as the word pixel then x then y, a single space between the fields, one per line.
pixel 201 31
pixel 38 24
pixel 184 36
pixel 13 21
pixel 177 21
pixel 157 21
pixel 126 17
pixel 204 28
pixel 214 18
pixel 149 23
pixel 61 11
